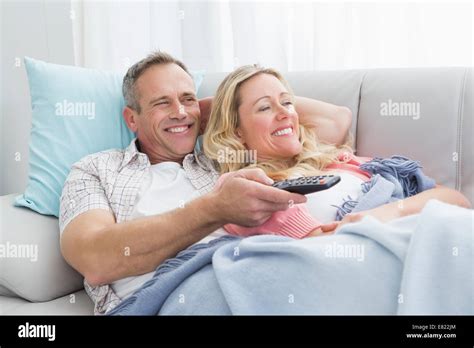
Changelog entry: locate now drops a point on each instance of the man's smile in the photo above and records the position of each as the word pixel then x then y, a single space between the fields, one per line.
pixel 179 129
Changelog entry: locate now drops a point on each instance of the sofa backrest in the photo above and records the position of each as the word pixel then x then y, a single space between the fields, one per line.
pixel 423 113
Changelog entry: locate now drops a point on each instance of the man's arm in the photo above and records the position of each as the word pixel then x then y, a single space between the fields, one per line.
pixel 104 251
pixel 331 122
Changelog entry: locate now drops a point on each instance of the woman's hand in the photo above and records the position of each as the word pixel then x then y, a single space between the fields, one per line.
pixel 323 230
pixel 331 227
pixel 348 218
pixel 384 213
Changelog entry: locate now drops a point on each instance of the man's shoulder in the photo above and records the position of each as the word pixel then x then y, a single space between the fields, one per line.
pixel 110 159
pixel 198 160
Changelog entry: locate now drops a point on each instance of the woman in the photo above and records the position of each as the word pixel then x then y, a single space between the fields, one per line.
pixel 253 112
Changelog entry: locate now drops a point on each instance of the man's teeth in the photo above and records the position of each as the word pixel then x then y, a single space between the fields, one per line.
pixel 177 129
pixel 283 132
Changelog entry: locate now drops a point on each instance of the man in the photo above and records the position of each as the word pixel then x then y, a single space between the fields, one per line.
pixel 124 212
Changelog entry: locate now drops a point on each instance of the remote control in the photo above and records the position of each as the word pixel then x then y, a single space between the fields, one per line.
pixel 308 184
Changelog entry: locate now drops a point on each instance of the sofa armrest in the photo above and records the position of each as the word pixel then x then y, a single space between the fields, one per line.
pixel 31 263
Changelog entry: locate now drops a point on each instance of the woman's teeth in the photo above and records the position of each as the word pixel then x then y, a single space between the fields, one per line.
pixel 283 132
pixel 178 129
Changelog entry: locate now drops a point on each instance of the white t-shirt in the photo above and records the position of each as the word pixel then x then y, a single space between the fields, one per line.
pixel 164 188
pixel 320 203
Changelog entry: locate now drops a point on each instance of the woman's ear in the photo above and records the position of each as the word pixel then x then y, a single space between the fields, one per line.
pixel 238 133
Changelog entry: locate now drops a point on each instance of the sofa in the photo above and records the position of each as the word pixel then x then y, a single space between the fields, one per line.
pixel 422 113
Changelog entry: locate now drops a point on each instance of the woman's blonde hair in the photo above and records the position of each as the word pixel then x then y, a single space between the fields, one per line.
pixel 221 135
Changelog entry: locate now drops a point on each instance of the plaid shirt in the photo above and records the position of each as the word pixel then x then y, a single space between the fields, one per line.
pixel 111 180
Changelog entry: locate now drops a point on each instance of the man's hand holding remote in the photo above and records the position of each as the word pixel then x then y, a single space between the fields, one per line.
pixel 246 198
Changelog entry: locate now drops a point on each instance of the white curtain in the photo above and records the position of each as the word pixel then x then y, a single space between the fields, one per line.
pixel 289 36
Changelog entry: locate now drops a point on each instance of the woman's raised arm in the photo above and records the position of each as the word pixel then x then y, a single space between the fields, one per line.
pixel 331 122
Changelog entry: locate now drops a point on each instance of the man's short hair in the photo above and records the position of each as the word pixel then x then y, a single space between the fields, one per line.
pixel 129 89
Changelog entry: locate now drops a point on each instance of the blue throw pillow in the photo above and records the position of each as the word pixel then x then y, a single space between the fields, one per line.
pixel 75 112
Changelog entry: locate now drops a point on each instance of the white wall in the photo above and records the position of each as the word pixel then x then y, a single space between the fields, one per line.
pixel 39 29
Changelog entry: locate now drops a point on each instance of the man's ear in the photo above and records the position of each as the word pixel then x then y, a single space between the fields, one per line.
pixel 130 115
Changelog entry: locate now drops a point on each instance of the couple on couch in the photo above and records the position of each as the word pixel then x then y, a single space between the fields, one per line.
pixel 124 212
